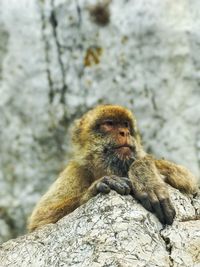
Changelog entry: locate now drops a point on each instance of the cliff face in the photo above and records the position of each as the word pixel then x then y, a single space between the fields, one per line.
pixel 55 63
pixel 112 230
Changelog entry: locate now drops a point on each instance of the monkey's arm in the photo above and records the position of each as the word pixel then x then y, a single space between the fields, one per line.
pixel 177 176
pixel 73 187
pixel 150 189
pixel 62 197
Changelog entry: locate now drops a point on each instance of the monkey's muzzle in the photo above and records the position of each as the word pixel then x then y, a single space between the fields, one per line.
pixel 125 150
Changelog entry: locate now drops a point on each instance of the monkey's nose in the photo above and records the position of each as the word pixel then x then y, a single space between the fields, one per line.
pixel 124 132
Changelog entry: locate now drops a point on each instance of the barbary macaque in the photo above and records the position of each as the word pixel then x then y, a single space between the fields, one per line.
pixel 108 155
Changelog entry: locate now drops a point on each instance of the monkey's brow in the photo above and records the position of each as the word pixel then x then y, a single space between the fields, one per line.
pixel 114 119
pixel 96 126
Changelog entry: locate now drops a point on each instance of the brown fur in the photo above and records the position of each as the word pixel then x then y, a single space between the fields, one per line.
pixel 177 176
pixel 86 175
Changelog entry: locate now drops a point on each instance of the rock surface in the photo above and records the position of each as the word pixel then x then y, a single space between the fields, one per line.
pixel 112 230
pixel 146 58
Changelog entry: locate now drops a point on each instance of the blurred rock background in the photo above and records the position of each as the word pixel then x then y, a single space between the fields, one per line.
pixel 58 58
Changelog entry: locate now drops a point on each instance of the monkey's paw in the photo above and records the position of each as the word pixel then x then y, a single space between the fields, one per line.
pixel 157 201
pixel 121 185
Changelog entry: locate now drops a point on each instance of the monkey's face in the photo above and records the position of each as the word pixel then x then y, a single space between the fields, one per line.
pixel 108 138
pixel 119 134
pixel 119 148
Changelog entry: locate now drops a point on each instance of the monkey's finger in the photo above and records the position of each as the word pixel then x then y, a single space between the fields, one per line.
pixel 102 188
pixel 166 205
pixel 121 179
pixel 112 183
pixel 127 181
pixel 127 189
pixel 157 209
pixel 118 187
pixel 168 210
pixel 143 199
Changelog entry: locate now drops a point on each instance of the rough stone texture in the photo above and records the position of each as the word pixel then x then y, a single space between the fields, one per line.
pixel 183 243
pixel 148 60
pixel 111 230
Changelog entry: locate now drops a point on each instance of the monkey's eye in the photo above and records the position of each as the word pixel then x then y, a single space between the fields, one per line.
pixel 126 124
pixel 108 123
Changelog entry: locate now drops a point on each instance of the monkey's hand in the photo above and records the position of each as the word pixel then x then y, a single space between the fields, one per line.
pixel 121 185
pixel 151 191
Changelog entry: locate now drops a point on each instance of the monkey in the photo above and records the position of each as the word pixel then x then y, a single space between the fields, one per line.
pixel 108 155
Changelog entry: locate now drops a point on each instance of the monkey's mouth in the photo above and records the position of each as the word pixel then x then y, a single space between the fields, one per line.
pixel 125 151
pixel 119 158
pixel 125 146
pixel 122 152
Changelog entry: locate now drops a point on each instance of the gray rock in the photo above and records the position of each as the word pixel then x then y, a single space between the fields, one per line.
pixel 111 230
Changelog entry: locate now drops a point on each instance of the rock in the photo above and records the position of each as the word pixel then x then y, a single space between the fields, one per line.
pixel 111 230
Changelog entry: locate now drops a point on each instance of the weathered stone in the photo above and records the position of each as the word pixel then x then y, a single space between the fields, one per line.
pixel 148 60
pixel 111 230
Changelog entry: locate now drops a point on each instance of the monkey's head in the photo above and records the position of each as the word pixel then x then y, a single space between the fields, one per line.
pixel 108 137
